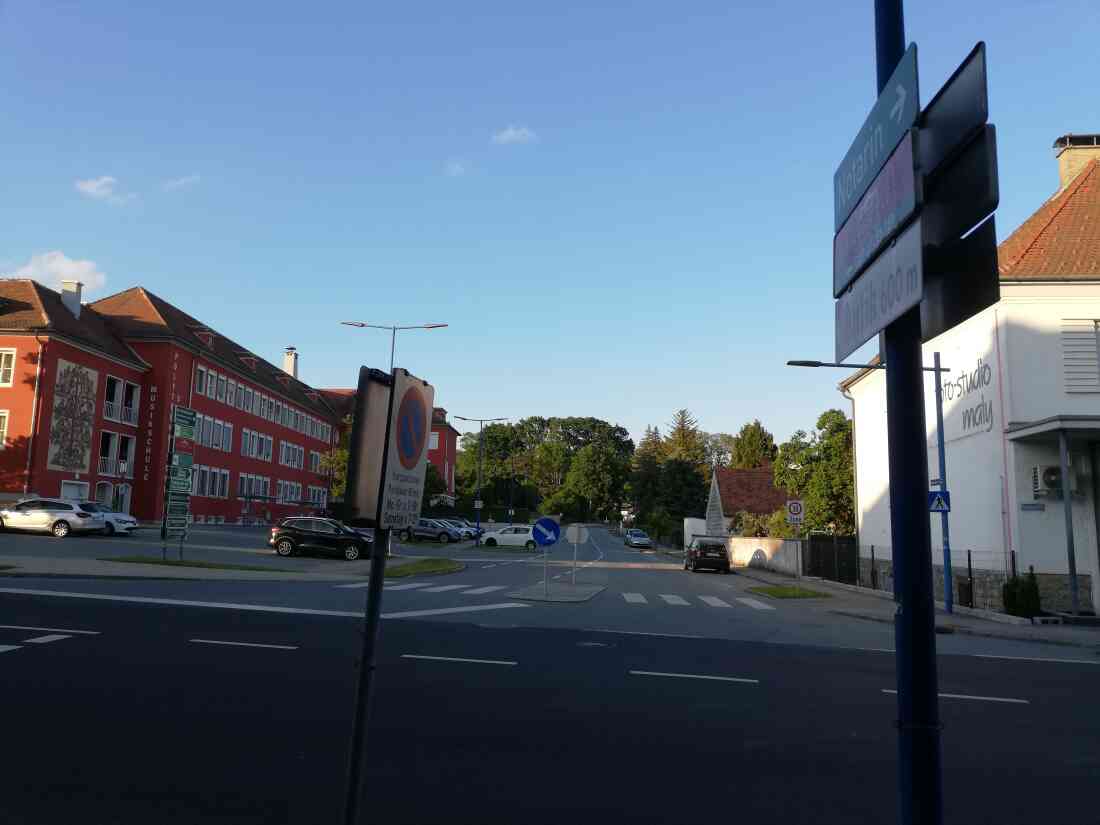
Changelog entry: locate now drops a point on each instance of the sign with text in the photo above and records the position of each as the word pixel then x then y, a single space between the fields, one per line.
pixel 795 511
pixel 891 285
pixel 888 203
pixel 890 118
pixel 184 416
pixel 407 453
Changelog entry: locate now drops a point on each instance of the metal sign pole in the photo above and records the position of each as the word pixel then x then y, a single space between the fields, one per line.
pixel 574 562
pixel 948 576
pixel 546 571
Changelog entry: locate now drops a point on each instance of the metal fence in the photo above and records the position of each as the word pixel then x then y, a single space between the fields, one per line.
pixel 977 575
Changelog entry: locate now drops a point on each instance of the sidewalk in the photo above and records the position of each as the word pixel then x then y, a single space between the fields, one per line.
pixel 879 606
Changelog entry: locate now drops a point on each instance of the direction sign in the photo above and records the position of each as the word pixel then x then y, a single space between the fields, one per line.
pixel 794 511
pixel 888 203
pixel 407 456
pixel 182 460
pixel 961 279
pixel 184 416
pixel 478 504
pixel 888 288
pixel 958 109
pixel 890 118
pixel 939 501
pixel 546 532
pixel 184 432
pixel 178 509
pixel 576 534
pixel 176 522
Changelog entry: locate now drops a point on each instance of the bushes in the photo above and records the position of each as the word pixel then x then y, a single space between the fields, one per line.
pixel 1021 595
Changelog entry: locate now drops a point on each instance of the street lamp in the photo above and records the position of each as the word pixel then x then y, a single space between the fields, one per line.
pixel 393 331
pixel 480 439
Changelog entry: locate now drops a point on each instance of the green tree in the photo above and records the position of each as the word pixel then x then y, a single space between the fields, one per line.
pixel 434 485
pixel 597 474
pixel 644 488
pixel 752 447
pixel 684 441
pixel 683 489
pixel 334 463
pixel 818 469
pixel 719 448
pixel 753 525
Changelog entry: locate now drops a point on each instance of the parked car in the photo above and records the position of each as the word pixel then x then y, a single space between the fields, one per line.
pixel 636 538
pixel 430 528
pixel 113 521
pixel 518 535
pixel 478 531
pixel 50 515
pixel 301 535
pixel 466 531
pixel 703 554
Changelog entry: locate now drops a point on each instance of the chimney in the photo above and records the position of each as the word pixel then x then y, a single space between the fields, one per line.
pixel 1073 153
pixel 70 296
pixel 290 362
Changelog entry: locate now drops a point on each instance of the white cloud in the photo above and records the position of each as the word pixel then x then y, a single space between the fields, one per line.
pixel 514 134
pixel 51 268
pixel 186 182
pixel 455 168
pixel 103 189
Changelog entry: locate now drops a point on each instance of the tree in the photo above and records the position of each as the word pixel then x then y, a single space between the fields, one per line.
pixel 644 488
pixel 684 441
pixel 719 448
pixel 596 476
pixel 683 489
pixel 434 485
pixel 818 469
pixel 753 525
pixel 752 447
pixel 335 462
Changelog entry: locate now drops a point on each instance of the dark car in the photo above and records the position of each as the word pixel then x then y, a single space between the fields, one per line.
pixel 300 535
pixel 707 554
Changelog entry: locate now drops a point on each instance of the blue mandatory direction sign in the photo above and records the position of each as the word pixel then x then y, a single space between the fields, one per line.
pixel 939 501
pixel 546 532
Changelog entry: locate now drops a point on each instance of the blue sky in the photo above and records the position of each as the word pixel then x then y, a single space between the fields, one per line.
pixel 621 208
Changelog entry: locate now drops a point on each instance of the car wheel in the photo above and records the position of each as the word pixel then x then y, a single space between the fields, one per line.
pixel 108 529
pixel 490 542
pixel 530 545
pixel 443 538
pixel 284 547
pixel 351 552
pixel 60 529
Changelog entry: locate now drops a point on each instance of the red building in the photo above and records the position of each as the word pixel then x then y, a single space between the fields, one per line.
pixel 443 447
pixel 86 396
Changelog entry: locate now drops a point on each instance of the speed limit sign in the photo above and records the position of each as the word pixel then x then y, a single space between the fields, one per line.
pixel 794 511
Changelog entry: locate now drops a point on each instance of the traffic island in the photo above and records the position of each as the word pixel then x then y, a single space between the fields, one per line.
pixel 558 592
pixel 422 567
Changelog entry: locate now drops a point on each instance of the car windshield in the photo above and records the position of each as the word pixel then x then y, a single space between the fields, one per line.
pixel 91 507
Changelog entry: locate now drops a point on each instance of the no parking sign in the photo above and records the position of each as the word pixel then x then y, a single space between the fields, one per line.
pixel 407 458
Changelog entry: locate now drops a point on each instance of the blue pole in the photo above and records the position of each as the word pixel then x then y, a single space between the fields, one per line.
pixel 948 577
pixel 480 437
pixel 920 784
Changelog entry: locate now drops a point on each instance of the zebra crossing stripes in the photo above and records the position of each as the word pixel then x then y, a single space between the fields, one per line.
pixel 671 598
pixel 481 591
pixel 635 598
pixel 443 588
pixel 680 601
pixel 755 604
pixel 714 601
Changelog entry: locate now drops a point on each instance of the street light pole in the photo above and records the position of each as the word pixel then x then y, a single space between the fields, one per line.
pixel 480 461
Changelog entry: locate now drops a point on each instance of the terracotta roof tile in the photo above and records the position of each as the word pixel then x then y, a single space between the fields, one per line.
pixel 1061 241
pixel 752 491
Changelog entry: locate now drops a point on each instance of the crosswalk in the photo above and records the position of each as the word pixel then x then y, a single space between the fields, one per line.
pixel 710 601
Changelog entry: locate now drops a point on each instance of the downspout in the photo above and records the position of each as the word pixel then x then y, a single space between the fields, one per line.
pixel 34 416
pixel 1006 499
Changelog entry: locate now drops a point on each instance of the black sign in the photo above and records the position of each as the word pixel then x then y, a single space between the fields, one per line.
pixel 959 109
pixel 960 280
pixel 964 191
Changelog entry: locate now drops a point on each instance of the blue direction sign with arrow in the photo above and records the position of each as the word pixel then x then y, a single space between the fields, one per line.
pixel 546 532
pixel 939 501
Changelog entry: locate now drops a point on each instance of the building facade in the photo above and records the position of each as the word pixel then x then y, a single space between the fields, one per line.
pixel 1023 388
pixel 443 448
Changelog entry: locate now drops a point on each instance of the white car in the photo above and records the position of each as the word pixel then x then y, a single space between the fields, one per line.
pixel 518 535
pixel 113 522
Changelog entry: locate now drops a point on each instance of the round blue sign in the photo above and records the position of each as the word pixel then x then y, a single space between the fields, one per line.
pixel 546 532
pixel 412 430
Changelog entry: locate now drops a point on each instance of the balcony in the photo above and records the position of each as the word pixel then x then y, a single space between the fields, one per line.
pixel 108 466
pixel 112 410
pixel 130 415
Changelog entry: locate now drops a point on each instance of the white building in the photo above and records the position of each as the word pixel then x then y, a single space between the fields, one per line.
pixel 1025 378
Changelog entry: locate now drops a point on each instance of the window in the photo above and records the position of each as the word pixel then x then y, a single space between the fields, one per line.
pixel 216 440
pixel 1080 356
pixel 3 429
pixel 222 381
pixel 131 397
pixel 200 481
pixel 433 440
pixel 211 384
pixel 231 393
pixel 227 437
pixel 112 399
pixel 314 461
pixel 223 484
pixel 207 431
pixel 7 367
pixel 200 380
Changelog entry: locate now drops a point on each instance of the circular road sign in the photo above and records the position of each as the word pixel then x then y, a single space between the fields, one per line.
pixel 576 534
pixel 546 532
pixel 412 428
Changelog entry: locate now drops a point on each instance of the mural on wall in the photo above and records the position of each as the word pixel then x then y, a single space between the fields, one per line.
pixel 74 397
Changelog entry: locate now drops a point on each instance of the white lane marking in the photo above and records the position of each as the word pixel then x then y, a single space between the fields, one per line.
pixel 673 599
pixel 443 588
pixel 43 640
pixel 481 591
pixel 644 633
pixel 635 598
pixel 8 648
pixel 1034 659
pixel 48 629
pixel 755 604
pixel 975 698
pixel 409 586
pixel 695 676
pixel 242 644
pixel 354 585
pixel 259 608
pixel 714 601
pixel 457 659
pixel 410 614
pixel 488 567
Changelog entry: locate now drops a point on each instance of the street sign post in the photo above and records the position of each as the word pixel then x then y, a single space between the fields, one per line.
pixel 546 532
pixel 576 534
pixel 939 501
pixel 795 511
pixel 407 461
pixel 890 118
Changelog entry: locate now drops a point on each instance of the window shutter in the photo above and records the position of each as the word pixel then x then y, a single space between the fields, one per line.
pixel 1080 364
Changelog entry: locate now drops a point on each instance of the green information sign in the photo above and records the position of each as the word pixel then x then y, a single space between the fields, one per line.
pixel 184 416
pixel 185 460
pixel 184 431
pixel 178 509
pixel 176 523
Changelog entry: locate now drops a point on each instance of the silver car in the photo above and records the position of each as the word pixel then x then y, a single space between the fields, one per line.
pixel 50 515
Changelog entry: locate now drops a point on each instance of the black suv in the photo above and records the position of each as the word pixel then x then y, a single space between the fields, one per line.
pixel 301 534
pixel 707 554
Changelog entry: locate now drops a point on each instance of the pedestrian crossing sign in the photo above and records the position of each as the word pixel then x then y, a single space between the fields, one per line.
pixel 939 501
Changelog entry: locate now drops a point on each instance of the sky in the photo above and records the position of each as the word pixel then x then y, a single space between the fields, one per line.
pixel 620 208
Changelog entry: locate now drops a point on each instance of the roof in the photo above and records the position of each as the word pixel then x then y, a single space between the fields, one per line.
pixel 341 400
pixel 28 306
pixel 138 314
pixel 752 490
pixel 1061 241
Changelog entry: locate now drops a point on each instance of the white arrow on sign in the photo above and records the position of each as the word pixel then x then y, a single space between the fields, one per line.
pixel 895 112
pixel 548 533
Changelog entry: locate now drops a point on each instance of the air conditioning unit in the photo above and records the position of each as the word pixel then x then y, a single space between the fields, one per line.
pixel 1046 480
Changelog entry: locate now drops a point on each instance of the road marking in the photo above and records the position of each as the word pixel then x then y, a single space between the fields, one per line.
pixel 755 604
pixel 672 599
pixel 644 633
pixel 714 601
pixel 443 588
pixel 488 567
pixel 259 608
pixel 8 648
pixel 354 585
pixel 242 644
pixel 635 598
pixel 49 629
pixel 695 676
pixel 409 586
pixel 457 659
pixel 975 698
pixel 410 614
pixel 42 640
pixel 1035 659
pixel 481 591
